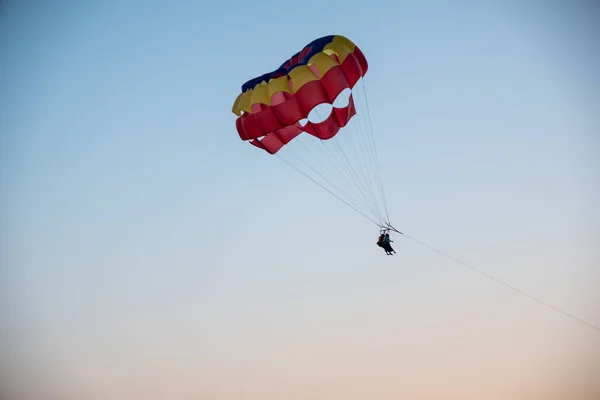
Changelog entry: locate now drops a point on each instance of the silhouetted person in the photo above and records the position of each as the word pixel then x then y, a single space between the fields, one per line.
pixel 384 242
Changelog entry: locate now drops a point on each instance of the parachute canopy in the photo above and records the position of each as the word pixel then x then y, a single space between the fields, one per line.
pixel 270 106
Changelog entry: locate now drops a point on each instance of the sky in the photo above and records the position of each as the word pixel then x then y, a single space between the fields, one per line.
pixel 147 252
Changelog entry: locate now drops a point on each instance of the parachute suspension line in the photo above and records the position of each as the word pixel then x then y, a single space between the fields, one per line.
pixel 349 199
pixel 327 180
pixel 324 147
pixel 361 180
pixel 364 161
pixel 369 137
pixel 362 151
pixel 341 163
pixel 346 165
pixel 303 161
pixel 515 289
pixel 367 173
pixel 353 173
pixel 376 156
pixel 326 189
pixel 348 181
pixel 347 184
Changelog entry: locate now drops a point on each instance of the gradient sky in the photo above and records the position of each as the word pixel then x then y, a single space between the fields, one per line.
pixel 148 253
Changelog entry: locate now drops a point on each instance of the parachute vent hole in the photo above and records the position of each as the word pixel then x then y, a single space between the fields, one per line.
pixel 343 98
pixel 320 113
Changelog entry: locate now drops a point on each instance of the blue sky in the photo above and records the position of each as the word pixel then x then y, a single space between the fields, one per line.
pixel 142 239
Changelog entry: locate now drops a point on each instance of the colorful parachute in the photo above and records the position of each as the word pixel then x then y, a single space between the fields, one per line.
pixel 280 112
pixel 271 105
